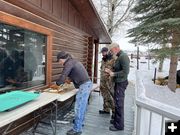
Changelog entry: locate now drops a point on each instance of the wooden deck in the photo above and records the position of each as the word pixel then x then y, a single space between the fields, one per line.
pixel 95 123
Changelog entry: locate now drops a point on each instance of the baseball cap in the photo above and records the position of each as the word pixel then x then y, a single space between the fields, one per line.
pixel 62 55
pixel 104 49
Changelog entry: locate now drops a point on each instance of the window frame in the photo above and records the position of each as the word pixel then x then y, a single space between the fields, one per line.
pixel 22 23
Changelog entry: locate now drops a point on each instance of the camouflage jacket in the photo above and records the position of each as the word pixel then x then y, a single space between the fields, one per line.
pixel 106 81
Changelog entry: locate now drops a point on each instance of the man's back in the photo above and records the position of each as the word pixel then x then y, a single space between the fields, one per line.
pixel 74 70
pixel 121 67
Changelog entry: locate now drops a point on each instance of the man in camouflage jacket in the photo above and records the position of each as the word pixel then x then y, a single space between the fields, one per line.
pixel 106 84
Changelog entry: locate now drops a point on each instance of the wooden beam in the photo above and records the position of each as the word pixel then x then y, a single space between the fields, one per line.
pixel 90 56
pixel 96 60
pixel 49 61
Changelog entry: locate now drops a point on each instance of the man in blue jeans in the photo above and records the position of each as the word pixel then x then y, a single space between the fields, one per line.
pixel 79 76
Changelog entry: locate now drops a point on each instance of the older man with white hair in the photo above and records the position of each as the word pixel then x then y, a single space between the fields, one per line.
pixel 120 76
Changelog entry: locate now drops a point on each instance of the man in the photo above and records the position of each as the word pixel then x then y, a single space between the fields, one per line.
pixel 106 84
pixel 120 76
pixel 79 76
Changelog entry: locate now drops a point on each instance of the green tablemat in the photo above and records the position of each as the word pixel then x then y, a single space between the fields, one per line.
pixel 13 99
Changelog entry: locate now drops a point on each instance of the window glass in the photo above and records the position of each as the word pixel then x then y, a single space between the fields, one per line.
pixel 22 57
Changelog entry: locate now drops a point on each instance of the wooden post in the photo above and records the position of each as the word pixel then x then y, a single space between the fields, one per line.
pixel 155 76
pixel 96 60
pixel 49 61
pixel 90 56
pixel 137 57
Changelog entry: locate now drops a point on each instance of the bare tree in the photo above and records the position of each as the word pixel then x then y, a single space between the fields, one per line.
pixel 114 13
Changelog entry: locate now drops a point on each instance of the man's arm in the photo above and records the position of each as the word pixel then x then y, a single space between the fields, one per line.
pixel 125 67
pixel 66 70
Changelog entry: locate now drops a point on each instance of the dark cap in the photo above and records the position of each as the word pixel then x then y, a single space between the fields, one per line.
pixel 104 49
pixel 62 55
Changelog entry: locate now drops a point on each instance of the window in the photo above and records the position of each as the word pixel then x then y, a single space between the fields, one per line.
pixel 22 57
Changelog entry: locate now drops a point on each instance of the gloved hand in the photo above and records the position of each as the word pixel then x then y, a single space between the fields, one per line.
pixel 54 86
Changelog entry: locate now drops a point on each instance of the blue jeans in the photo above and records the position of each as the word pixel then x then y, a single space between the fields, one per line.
pixel 81 105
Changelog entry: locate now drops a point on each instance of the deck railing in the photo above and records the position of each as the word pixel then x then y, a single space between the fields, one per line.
pixel 150 115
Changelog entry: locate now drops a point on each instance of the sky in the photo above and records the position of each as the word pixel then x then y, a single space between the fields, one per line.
pixel 123 41
pixel 121 38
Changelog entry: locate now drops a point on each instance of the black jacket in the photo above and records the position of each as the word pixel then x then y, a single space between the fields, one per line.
pixel 121 67
pixel 75 71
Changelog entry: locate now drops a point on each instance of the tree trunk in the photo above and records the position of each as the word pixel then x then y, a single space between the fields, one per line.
pixel 172 73
pixel 174 60
pixel 111 13
pixel 161 65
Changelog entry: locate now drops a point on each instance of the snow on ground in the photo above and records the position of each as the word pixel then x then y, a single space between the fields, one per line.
pixel 159 93
pixel 156 92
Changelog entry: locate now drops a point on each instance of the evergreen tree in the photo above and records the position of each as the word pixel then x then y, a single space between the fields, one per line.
pixel 159 23
pixel 159 57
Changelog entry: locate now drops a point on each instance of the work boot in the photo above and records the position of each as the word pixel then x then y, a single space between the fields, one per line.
pixel 72 132
pixel 112 117
pixel 111 121
pixel 103 112
pixel 112 128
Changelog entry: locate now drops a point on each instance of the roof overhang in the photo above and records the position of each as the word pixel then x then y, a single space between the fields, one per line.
pixel 89 13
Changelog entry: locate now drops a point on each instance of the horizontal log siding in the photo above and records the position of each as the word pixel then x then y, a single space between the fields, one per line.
pixel 65 37
pixel 69 33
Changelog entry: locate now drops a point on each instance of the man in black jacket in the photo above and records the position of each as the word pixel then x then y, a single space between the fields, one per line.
pixel 120 76
pixel 78 74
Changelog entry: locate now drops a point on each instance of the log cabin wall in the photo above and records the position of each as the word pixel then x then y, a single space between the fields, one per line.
pixel 69 30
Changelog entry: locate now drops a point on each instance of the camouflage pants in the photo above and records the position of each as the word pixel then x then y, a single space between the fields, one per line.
pixel 107 94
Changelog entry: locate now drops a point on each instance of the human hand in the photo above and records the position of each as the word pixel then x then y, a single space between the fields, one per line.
pixel 68 81
pixel 107 70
